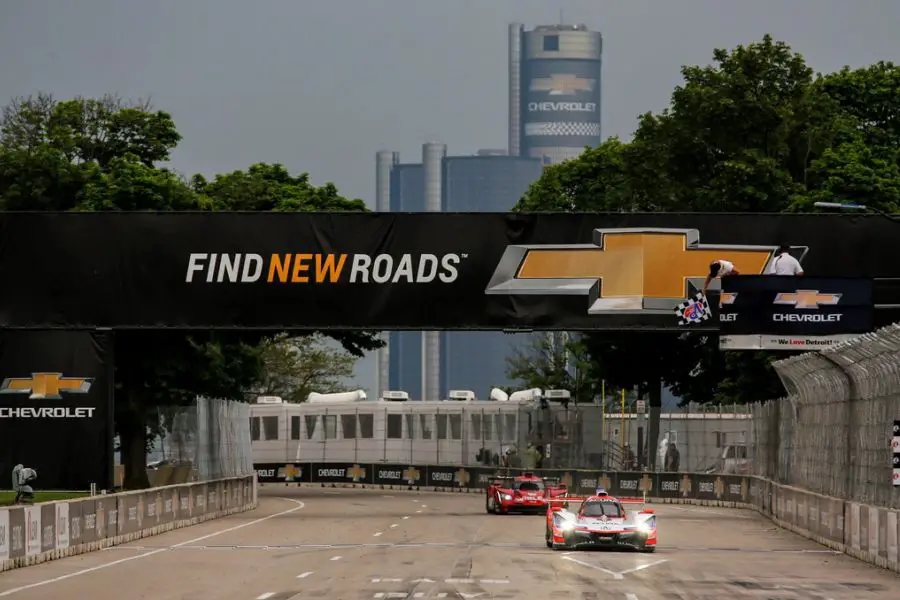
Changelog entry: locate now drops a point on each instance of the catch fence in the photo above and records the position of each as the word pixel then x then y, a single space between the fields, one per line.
pixel 832 433
pixel 209 439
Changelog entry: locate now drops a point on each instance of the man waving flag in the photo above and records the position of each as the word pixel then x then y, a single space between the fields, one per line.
pixel 719 268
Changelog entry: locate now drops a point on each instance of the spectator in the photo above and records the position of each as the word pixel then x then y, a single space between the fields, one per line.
pixel 784 263
pixel 629 459
pixel 531 457
pixel 673 458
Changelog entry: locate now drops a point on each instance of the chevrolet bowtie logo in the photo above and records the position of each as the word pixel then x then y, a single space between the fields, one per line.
pixel 642 270
pixel 727 298
pixel 807 299
pixel 45 385
pixel 562 84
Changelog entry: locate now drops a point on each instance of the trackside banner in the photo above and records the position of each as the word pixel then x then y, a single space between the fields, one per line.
pixel 403 271
pixel 56 407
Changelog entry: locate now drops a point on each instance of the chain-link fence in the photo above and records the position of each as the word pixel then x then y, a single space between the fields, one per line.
pixel 209 439
pixel 832 433
pixel 550 436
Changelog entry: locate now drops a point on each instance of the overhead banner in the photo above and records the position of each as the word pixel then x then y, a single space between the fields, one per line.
pixel 380 271
pixel 793 313
pixel 56 395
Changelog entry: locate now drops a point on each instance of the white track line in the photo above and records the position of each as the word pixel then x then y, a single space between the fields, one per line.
pixel 264 596
pixel 404 518
pixel 336 558
pixel 43 582
pixel 394 525
pixel 377 534
pixel 304 575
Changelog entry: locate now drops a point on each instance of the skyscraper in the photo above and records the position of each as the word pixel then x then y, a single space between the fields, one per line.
pixel 428 364
pixel 554 91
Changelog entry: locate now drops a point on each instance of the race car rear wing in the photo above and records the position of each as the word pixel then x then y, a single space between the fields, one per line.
pixel 629 502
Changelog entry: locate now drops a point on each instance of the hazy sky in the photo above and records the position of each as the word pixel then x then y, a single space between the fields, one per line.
pixel 321 85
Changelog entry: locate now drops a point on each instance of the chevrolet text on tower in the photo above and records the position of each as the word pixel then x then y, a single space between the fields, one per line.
pixel 322 268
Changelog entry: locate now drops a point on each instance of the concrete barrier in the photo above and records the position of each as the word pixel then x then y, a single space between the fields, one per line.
pixel 50 530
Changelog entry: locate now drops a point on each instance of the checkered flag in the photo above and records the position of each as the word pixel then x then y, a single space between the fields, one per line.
pixel 693 311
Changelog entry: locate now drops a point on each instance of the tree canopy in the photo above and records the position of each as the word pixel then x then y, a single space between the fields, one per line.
pixel 105 154
pixel 294 366
pixel 755 131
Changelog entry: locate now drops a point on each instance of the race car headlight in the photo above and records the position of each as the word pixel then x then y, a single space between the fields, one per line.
pixel 566 526
pixel 644 528
pixel 507 497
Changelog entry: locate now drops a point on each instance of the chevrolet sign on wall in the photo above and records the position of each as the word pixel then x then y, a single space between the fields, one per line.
pixel 791 313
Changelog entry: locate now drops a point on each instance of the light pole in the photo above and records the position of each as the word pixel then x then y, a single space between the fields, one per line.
pixel 854 206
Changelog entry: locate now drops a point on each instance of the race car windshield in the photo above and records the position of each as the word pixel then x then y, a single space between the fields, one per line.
pixel 601 509
pixel 529 486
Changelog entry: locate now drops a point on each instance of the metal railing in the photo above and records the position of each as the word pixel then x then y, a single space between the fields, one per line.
pixel 832 433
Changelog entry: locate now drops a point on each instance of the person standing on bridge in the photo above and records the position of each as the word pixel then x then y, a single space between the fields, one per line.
pixel 719 268
pixel 784 263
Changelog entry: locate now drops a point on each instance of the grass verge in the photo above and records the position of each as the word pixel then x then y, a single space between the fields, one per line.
pixel 7 497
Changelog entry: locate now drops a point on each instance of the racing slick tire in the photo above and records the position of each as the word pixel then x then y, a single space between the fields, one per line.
pixel 490 505
pixel 648 549
pixel 548 537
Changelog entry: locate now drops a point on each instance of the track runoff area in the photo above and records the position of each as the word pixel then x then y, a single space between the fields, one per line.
pixel 309 542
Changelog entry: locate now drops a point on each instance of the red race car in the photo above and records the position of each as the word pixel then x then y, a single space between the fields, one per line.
pixel 522 493
pixel 602 522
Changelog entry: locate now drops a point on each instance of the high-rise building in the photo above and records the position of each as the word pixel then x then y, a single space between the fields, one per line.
pixel 428 364
pixel 554 91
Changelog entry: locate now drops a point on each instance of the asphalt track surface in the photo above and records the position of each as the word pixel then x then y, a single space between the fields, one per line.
pixel 349 544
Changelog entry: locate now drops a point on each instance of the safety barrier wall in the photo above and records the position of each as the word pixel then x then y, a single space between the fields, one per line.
pixel 49 530
pixel 867 532
pixel 832 433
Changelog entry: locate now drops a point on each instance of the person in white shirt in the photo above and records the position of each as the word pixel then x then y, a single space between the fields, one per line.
pixel 784 263
pixel 719 268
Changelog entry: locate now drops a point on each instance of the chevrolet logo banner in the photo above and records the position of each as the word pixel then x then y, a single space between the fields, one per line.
pixel 804 308
pixel 644 271
pixel 405 271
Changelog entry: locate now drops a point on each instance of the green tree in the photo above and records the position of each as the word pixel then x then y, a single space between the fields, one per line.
pixel 541 363
pixel 270 187
pixel 294 366
pixel 554 362
pixel 103 154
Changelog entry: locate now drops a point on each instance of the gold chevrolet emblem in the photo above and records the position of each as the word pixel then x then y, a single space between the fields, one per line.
pixel 356 473
pixel 562 84
pixel 640 270
pixel 727 298
pixel 45 385
pixel 290 472
pixel 807 299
